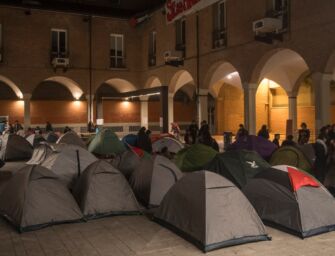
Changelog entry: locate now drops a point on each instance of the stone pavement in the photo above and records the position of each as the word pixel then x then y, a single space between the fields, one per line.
pixel 136 235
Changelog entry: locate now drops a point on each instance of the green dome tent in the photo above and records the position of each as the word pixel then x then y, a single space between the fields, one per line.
pixel 238 166
pixel 292 156
pixel 106 142
pixel 194 158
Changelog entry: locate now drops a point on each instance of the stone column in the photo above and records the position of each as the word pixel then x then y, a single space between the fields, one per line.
pixel 171 108
pixel 144 111
pixel 26 101
pixel 293 111
pixel 321 83
pixel 165 108
pixel 90 107
pixel 250 107
pixel 202 106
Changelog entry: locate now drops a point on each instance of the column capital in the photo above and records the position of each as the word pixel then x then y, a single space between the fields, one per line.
pixel 203 92
pixel 318 76
pixel 26 96
pixel 171 95
pixel 89 95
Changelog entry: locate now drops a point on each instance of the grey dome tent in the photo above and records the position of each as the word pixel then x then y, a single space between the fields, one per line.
pixel 41 153
pixel 173 145
pixel 102 190
pixel 209 211
pixel 128 161
pixel 64 162
pixel 238 166
pixel 71 138
pixel 14 148
pixel 152 179
pixel 34 198
pixel 35 139
pixel 292 201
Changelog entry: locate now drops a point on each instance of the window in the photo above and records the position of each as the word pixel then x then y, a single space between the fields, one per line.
pixel 117 58
pixel 152 48
pixel 279 9
pixel 181 35
pixel 59 47
pixel 219 32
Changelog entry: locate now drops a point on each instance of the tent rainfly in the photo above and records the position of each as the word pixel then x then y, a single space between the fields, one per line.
pixel 173 145
pixel 106 142
pixel 238 166
pixel 207 209
pixel 35 139
pixel 34 198
pixel 71 138
pixel 102 191
pixel 40 153
pixel 68 162
pixel 152 179
pixel 14 148
pixel 292 200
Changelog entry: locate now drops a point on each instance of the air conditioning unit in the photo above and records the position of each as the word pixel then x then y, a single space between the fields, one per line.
pixel 60 62
pixel 172 56
pixel 219 43
pixel 267 25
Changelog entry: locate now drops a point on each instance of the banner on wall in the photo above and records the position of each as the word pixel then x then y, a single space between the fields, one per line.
pixel 176 9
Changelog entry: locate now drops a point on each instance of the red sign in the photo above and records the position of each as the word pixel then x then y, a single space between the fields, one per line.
pixel 178 8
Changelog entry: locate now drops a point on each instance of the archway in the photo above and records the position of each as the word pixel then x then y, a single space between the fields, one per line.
pixel 60 101
pixel 120 114
pixel 277 75
pixel 226 87
pixel 11 105
pixel 330 69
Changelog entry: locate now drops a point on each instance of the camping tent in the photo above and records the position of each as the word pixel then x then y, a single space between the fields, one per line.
pixel 35 139
pixel 130 139
pixel 102 190
pixel 64 162
pixel 292 156
pixel 238 166
pixel 40 153
pixel 293 201
pixel 194 158
pixel 34 198
pixel 309 151
pixel 51 137
pixel 173 145
pixel 152 178
pixel 14 148
pixel 208 210
pixel 71 138
pixel 106 142
pixel 262 146
pixel 129 160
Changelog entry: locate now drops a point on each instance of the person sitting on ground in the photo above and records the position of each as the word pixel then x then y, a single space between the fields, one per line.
pixel 264 132
pixel 321 153
pixel 304 134
pixel 289 141
pixel 241 132
pixel 276 140
pixel 48 127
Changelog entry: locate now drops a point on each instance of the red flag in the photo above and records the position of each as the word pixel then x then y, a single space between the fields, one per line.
pixel 300 179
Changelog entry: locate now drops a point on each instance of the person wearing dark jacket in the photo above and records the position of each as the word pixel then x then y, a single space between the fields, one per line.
pixel 289 141
pixel 204 128
pixel 276 140
pixel 143 140
pixel 193 131
pixel 304 134
pixel 207 140
pixel 264 132
pixel 321 153
pixel 48 127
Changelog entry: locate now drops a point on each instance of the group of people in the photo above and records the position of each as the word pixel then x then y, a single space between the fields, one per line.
pixel 195 135
pixel 17 128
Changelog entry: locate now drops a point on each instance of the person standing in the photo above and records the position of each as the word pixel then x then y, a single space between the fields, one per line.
pixel 17 126
pixel 193 131
pixel 175 130
pixel 48 127
pixel 241 132
pixel 321 153
pixel 264 132
pixel 276 140
pixel 304 134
